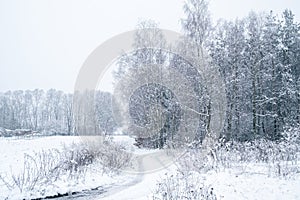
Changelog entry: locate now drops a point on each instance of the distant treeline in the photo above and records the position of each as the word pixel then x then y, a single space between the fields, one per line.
pixel 49 112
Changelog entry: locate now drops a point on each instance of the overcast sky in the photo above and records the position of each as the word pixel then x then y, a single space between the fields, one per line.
pixel 43 43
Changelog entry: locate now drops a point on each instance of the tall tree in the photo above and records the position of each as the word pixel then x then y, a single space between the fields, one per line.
pixel 197 26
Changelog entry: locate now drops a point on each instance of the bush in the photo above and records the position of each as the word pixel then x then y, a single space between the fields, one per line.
pixel 40 168
pixel 280 158
pixel 112 156
pixel 183 186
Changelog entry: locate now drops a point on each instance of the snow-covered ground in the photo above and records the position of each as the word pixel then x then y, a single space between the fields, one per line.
pixel 251 181
pixel 235 185
pixel 12 151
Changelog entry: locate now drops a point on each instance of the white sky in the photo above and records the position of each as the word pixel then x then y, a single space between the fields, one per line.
pixel 43 43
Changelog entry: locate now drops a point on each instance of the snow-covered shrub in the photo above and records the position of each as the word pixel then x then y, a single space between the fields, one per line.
pixel 76 156
pixel 113 156
pixel 183 186
pixel 292 135
pixel 196 160
pixel 39 168
pixel 279 158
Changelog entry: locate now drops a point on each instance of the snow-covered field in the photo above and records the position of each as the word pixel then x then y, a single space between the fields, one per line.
pixel 12 151
pixel 253 180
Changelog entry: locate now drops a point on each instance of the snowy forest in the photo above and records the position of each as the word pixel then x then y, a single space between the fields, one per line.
pixel 258 56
